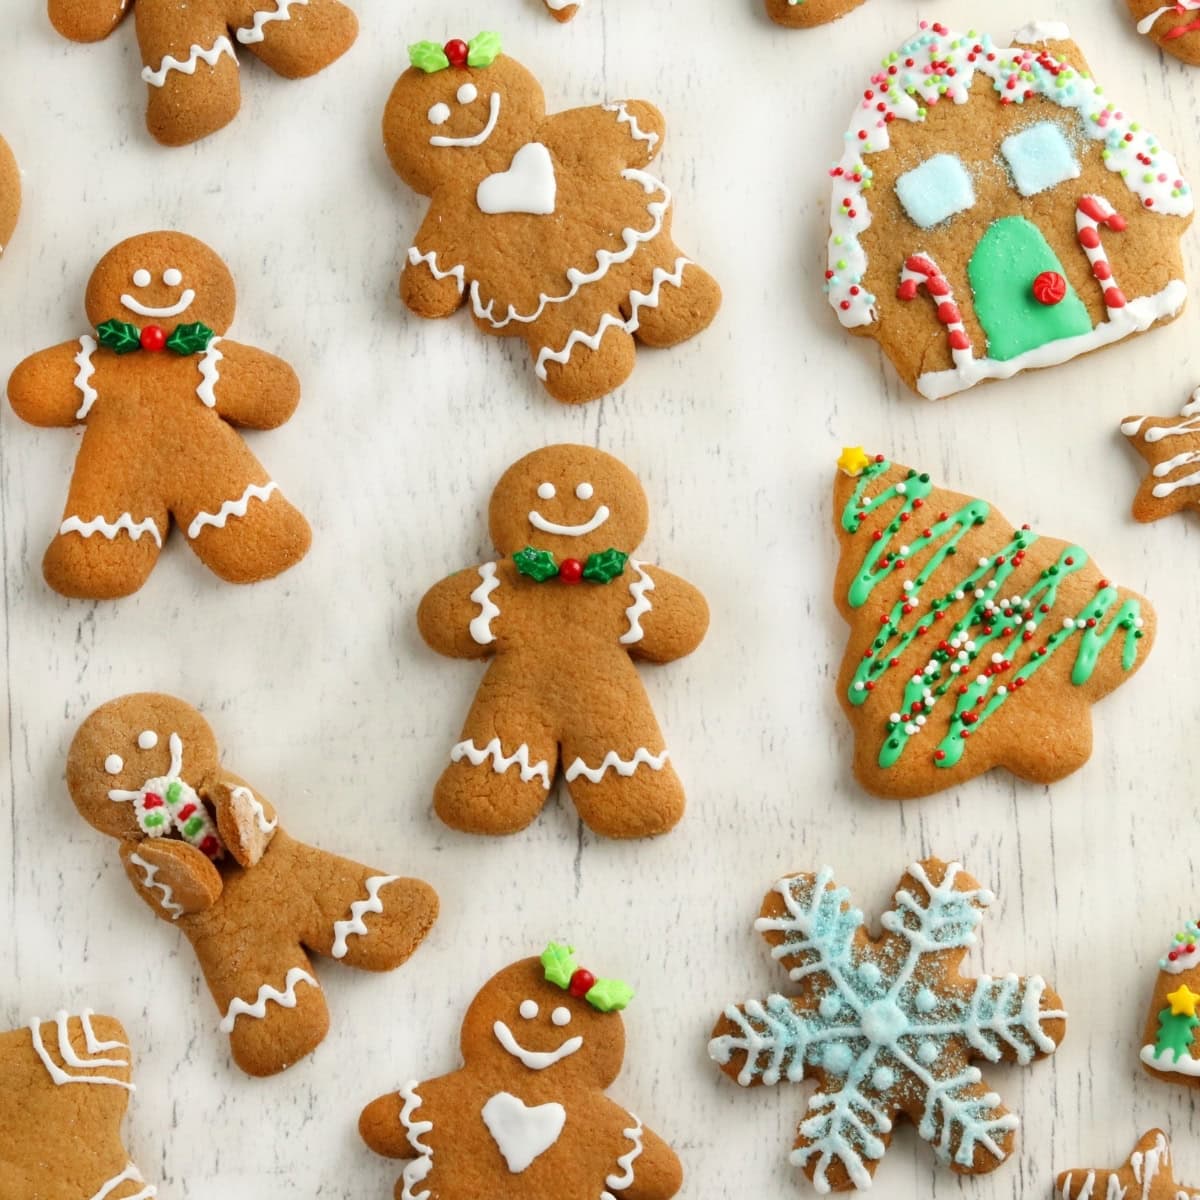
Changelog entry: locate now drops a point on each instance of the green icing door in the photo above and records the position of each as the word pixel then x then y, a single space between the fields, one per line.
pixel 1009 257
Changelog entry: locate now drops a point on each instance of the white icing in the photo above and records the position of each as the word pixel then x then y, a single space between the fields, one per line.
pixel 468 93
pixel 267 995
pixel 151 881
pixel 141 277
pixel 458 274
pixel 500 762
pixel 254 33
pixel 585 491
pixel 438 113
pixel 1113 1189
pixel 559 5
pixel 147 739
pixel 561 1017
pixel 172 310
pixel 613 761
pixel 130 1175
pixel 624 1180
pixel 1156 433
pixel 114 764
pixel 528 186
pixel 479 138
pixel 418 1169
pixel 245 797
pixel 535 1060
pixel 481 625
pixel 210 374
pixel 232 508
pixel 1187 1065
pixel 59 1074
pixel 625 117
pixel 189 65
pixel 344 930
pixel 110 529
pixel 546 491
pixel 1041 31
pixel 640 606
pixel 529 1010
pixel 522 1134
pixel 83 360
pixel 593 523
pixel 172 277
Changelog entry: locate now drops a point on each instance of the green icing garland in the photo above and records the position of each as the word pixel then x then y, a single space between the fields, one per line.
pixel 1010 624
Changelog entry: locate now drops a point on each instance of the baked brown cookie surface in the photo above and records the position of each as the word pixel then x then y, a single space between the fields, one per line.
pixel 10 193
pixel 1171 449
pixel 804 14
pixel 1145 1174
pixel 1173 28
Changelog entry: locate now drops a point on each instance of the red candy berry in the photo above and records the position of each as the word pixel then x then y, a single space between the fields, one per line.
pixel 456 51
pixel 1049 288
pixel 581 983
pixel 571 570
pixel 153 338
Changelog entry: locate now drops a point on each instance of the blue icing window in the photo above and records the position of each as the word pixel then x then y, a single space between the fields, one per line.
pixel 936 190
pixel 1039 157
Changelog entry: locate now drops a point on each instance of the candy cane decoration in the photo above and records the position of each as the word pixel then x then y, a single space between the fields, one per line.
pixel 921 269
pixel 1090 214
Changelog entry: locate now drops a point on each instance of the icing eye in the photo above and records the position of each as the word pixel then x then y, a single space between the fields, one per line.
pixel 529 1009
pixel 585 491
pixel 172 277
pixel 147 739
pixel 547 491
pixel 141 277
pixel 439 114
pixel 561 1016
pixel 114 764
pixel 467 93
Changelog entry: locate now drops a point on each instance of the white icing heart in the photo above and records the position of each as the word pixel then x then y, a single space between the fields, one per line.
pixel 522 1133
pixel 528 186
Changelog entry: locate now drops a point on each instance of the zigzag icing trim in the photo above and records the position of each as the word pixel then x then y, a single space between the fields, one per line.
pixel 481 626
pixel 61 1074
pixel 267 995
pixel 344 930
pixel 110 529
pixel 83 360
pixel 458 274
pixel 232 508
pixel 417 1170
pixel 622 766
pixel 189 65
pixel 252 34
pixel 624 1180
pixel 494 751
pixel 625 117
pixel 130 1175
pixel 210 376
pixel 259 813
pixel 151 881
pixel 640 606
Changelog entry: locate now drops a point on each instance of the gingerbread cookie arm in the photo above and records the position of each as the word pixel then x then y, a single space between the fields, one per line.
pixel 247 387
pixel 173 878
pixel 431 285
pixel 631 132
pixel 656 1171
pixel 86 20
pixel 461 616
pixel 54 387
pixel 246 821
pixel 667 617
pixel 395 1125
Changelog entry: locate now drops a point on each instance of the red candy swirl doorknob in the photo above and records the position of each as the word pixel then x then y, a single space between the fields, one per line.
pixel 1049 288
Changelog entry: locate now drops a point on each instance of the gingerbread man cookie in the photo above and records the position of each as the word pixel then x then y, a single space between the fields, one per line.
pixel 161 404
pixel 1171 448
pixel 191 64
pixel 1146 1175
pixel 1173 28
pixel 205 851
pixel 526 1117
pixel 548 226
pixel 887 1026
pixel 66 1086
pixel 560 616
pixel 803 14
pixel 10 193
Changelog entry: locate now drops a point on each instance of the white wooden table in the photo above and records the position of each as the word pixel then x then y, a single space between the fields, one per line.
pixel 325 697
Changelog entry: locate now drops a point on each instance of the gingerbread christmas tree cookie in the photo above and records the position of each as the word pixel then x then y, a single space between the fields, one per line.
pixel 887 1026
pixel 10 193
pixel 548 226
pixel 1171 448
pixel 206 853
pixel 1171 1049
pixel 1173 28
pixel 1146 1175
pixel 67 1083
pixel 527 1117
pixel 973 644
pixel 995 210
pixel 190 50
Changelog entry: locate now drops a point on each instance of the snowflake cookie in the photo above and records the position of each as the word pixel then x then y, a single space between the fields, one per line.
pixel 887 1026
pixel 1146 1175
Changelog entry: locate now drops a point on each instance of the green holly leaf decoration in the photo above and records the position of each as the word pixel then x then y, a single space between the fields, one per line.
pixel 428 57
pixel 537 564
pixel 119 336
pixel 605 566
pixel 190 339
pixel 610 995
pixel 559 964
pixel 483 50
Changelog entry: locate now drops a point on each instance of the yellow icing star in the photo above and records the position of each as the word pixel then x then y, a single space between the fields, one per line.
pixel 1183 1001
pixel 853 461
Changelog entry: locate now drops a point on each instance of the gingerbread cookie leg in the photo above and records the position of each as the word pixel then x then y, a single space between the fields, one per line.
pixel 363 917
pixel 191 72
pixel 581 351
pixel 676 301
pixel 297 38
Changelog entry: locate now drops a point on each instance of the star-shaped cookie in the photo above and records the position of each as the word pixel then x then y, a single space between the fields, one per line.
pixel 1171 448
pixel 1146 1174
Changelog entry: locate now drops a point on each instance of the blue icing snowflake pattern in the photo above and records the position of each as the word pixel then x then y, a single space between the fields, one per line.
pixel 886 1025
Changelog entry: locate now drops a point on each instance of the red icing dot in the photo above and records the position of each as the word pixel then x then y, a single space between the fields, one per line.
pixel 582 982
pixel 1049 288
pixel 1114 297
pixel 456 51
pixel 1089 239
pixel 571 570
pixel 153 338
pixel 959 340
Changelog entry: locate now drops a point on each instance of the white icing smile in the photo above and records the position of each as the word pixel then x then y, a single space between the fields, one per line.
pixel 535 1060
pixel 172 277
pixel 598 518
pixel 479 138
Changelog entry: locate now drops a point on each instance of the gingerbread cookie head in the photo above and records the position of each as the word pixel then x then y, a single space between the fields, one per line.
pixel 551 1016
pixel 168 278
pixel 1173 28
pixel 134 767
pixel 459 110
pixel 572 501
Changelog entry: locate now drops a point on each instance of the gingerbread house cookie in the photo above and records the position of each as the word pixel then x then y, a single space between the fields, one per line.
pixel 994 211
pixel 1173 28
